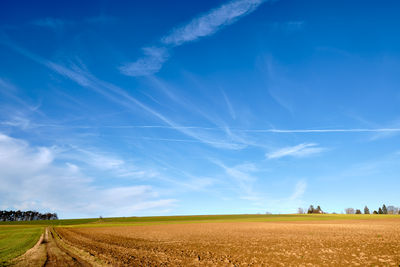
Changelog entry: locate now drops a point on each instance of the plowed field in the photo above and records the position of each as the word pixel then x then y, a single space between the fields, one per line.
pixel 335 243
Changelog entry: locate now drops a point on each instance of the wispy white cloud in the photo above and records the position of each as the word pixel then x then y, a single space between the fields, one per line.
pixel 277 95
pixel 19 122
pixel 16 111
pixel 385 134
pixel 280 86
pixel 383 165
pixel 59 24
pixel 99 160
pixel 231 140
pixel 120 96
pixel 52 23
pixel 6 86
pixel 211 22
pixel 39 178
pixel 201 26
pixel 287 204
pixel 242 176
pixel 190 182
pixel 283 131
pixel 106 162
pixel 10 91
pixel 289 26
pixel 151 63
pixel 235 139
pixel 299 190
pixel 351 130
pixel 229 105
pixel 301 150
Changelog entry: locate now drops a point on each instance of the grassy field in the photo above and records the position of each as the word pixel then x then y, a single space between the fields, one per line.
pixel 15 240
pixel 51 222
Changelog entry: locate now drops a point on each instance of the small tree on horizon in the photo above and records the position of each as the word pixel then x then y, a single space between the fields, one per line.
pixel 384 209
pixel 375 212
pixel 380 211
pixel 392 209
pixel 310 209
pixel 318 210
pixel 366 210
pixel 358 211
pixel 300 211
pixel 349 211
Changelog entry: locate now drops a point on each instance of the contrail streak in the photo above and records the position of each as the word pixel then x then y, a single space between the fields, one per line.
pixel 352 130
pixel 356 130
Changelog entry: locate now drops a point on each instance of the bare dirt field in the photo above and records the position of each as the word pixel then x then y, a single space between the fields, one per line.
pixel 303 243
pixel 51 251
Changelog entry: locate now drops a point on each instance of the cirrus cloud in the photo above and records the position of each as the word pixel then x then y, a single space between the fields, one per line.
pixel 301 150
pixel 38 178
pixel 204 25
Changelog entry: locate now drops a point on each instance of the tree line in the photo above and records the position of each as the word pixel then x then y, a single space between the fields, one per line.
pixel 11 215
pixel 381 210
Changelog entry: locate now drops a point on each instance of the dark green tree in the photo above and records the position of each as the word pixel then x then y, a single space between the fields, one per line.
pixel 366 210
pixel 380 211
pixel 375 212
pixel 384 209
pixel 358 211
pixel 318 210
pixel 310 209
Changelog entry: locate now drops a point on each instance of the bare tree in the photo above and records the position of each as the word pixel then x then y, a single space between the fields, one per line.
pixel 300 211
pixel 349 211
pixel 392 210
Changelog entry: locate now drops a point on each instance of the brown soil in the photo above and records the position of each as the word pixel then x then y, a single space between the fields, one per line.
pixel 331 243
pixel 52 251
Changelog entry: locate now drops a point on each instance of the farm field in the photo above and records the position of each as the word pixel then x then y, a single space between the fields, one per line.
pixel 338 242
pixel 15 240
pixel 223 240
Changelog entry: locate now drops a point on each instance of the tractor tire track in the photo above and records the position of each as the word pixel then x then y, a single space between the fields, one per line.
pixel 51 251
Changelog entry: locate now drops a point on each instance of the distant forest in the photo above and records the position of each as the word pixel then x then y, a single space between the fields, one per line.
pixel 11 215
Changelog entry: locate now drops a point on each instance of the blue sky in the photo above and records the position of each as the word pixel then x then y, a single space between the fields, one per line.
pixel 122 108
